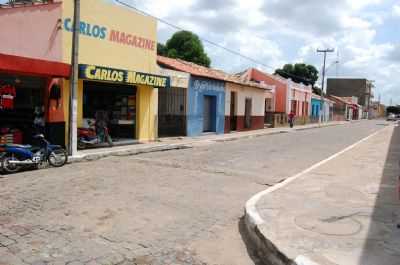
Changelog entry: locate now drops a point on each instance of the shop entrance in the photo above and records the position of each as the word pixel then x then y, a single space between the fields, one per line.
pixel 209 114
pixel 116 103
pixel 247 113
pixel 233 118
pixel 172 112
pixel 22 111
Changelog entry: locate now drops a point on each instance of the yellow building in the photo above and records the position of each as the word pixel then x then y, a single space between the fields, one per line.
pixel 117 68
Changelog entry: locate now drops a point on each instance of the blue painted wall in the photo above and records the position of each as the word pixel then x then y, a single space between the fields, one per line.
pixel 198 88
pixel 315 107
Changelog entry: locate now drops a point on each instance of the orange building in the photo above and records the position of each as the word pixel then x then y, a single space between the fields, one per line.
pixel 289 96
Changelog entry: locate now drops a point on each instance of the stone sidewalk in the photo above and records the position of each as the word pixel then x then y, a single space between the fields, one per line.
pixel 165 144
pixel 344 211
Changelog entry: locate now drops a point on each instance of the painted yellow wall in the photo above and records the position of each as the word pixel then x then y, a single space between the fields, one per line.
pixel 146 116
pixel 103 52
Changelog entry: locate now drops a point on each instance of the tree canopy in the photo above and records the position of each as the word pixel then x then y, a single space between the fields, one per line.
pixel 317 90
pixel 185 45
pixel 299 73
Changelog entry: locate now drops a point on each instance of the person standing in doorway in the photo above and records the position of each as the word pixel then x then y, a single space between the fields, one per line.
pixel 291 119
pixel 39 123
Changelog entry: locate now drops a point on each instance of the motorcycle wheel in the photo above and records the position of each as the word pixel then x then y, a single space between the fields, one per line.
pixel 109 141
pixel 58 158
pixel 7 167
pixel 81 145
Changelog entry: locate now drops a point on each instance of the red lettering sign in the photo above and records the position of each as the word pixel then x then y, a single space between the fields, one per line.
pixel 131 40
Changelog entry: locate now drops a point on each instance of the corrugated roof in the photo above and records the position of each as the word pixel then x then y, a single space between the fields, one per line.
pixel 319 97
pixel 347 100
pixel 338 99
pixel 253 73
pixel 202 71
pixel 191 68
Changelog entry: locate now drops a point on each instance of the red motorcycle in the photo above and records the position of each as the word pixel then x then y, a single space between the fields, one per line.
pixel 93 136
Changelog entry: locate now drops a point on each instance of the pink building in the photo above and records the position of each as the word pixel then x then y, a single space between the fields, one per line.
pixel 32 31
pixel 31 65
pixel 299 98
pixel 289 96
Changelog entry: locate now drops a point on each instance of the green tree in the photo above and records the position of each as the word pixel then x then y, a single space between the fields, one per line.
pixel 317 90
pixel 187 46
pixel 393 109
pixel 299 73
pixel 161 49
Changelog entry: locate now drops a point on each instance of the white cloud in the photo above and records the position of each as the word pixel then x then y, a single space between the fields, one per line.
pixel 359 4
pixel 276 32
pixel 396 10
pixel 354 22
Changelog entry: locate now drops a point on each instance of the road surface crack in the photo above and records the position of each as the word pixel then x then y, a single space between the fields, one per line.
pixel 334 219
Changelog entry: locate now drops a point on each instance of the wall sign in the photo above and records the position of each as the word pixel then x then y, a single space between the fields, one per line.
pixel 99 73
pixel 103 33
pixel 208 85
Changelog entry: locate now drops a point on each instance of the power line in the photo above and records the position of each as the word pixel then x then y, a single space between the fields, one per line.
pixel 209 41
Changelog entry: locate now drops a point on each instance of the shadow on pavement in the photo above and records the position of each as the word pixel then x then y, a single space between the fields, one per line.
pixel 382 246
pixel 248 242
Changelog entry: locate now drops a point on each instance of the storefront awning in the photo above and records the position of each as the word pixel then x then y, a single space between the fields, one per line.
pixel 30 66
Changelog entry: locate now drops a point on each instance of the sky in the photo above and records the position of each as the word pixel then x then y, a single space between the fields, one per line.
pixel 364 33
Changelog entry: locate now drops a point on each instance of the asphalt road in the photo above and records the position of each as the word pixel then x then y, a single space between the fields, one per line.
pixel 175 207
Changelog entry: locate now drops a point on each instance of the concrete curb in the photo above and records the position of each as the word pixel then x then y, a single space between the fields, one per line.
pixel 187 144
pixel 278 131
pixel 239 137
pixel 127 152
pixel 265 249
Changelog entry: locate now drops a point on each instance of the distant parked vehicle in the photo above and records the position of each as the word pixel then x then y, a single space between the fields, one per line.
pixel 392 117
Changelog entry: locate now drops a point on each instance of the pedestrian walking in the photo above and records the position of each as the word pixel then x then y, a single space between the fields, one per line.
pixel 291 119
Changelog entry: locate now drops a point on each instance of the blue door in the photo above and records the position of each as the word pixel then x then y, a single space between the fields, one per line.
pixel 209 114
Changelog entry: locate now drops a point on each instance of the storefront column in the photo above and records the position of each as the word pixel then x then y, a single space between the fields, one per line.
pixel 147 109
pixel 66 97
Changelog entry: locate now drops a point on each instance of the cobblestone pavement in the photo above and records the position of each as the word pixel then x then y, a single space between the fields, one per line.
pixel 177 207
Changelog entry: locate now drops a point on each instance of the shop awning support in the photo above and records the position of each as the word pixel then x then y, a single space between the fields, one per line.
pixel 73 102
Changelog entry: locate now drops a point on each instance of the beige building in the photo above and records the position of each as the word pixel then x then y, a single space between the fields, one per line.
pixel 246 104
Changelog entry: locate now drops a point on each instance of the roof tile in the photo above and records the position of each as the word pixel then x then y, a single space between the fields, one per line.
pixel 202 71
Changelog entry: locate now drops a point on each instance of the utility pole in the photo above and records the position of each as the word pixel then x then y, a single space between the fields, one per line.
pixel 73 101
pixel 322 109
pixel 370 85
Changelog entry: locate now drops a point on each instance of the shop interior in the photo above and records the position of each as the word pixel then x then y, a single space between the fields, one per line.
pixel 22 112
pixel 117 102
